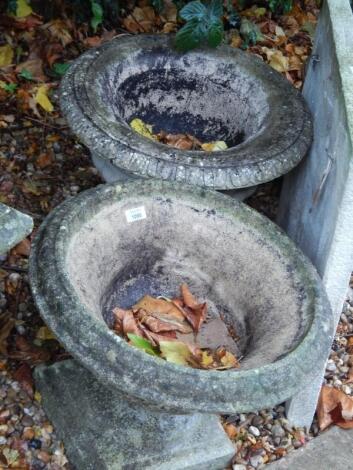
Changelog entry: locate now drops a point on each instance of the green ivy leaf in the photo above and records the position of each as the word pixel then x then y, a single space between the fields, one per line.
pixel 60 69
pixel 26 74
pixel 215 34
pixel 10 87
pixel 203 25
pixel 193 10
pixel 143 344
pixel 97 14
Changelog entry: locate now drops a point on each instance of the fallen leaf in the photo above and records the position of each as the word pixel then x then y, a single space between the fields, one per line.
pixel 6 325
pixel 58 29
pixel 31 69
pixel 159 322
pixel 214 146
pixel 228 361
pixel 276 59
pixel 143 129
pixel 152 305
pixel 334 407
pixel 129 324
pixel 6 55
pixel 231 430
pixel 206 359
pixel 44 160
pixel 175 351
pixel 23 9
pixel 188 299
pixel 142 343
pixel 23 248
pixel 42 99
pixel 23 375
pixel 44 334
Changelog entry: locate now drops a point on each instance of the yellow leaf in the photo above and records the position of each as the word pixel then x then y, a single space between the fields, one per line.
pixel 42 98
pixel 44 333
pixel 259 12
pixel 214 146
pixel 38 397
pixel 276 59
pixel 23 9
pixel 143 129
pixel 6 55
pixel 175 351
pixel 206 359
pixel 229 360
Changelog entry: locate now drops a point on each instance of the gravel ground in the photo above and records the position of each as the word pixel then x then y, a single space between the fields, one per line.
pixel 27 439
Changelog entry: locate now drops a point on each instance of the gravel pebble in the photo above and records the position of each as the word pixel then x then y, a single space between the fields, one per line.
pixel 254 431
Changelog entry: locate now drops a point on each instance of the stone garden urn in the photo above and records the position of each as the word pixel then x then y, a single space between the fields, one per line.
pixel 212 94
pixel 115 406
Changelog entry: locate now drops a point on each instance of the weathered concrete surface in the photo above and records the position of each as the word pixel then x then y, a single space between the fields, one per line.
pixel 101 430
pixel 14 227
pixel 229 254
pixel 212 94
pixel 317 199
pixel 332 450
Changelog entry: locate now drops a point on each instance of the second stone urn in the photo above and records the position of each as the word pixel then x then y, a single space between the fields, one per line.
pixel 212 94
pixel 115 406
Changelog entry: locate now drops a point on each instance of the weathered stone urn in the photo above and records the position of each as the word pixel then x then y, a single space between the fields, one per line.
pixel 115 406
pixel 212 94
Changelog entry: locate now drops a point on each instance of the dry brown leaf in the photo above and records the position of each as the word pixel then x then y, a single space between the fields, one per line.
pixel 44 160
pixel 159 322
pixel 34 65
pixel 25 351
pixel 6 325
pixel 23 375
pixel 334 407
pixel 23 248
pixel 231 430
pixel 196 316
pixel 188 298
pixel 130 325
pixel 152 305
pixel 58 29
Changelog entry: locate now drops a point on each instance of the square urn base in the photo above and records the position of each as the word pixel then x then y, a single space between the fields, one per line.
pixel 102 430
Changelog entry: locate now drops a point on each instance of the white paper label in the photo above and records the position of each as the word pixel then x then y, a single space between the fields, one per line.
pixel 137 213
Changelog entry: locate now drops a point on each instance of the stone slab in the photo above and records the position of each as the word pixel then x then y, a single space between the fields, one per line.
pixel 317 198
pixel 332 450
pixel 14 227
pixel 102 430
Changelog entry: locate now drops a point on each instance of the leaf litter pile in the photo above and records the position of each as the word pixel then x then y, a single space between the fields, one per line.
pixel 179 141
pixel 171 329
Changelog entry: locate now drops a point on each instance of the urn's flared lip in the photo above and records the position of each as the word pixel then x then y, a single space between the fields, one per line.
pixel 117 364
pixel 257 160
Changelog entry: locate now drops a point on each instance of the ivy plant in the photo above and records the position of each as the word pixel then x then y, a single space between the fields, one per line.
pixel 203 25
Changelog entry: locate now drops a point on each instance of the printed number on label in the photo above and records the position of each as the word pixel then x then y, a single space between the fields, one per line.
pixel 137 213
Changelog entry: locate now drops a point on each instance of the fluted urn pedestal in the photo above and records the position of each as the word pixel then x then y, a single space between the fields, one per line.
pixel 115 406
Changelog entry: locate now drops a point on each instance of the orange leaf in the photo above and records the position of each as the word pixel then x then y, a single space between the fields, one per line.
pixel 335 407
pixel 23 248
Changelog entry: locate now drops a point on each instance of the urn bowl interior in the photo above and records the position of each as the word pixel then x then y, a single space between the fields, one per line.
pixel 113 261
pixel 201 95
